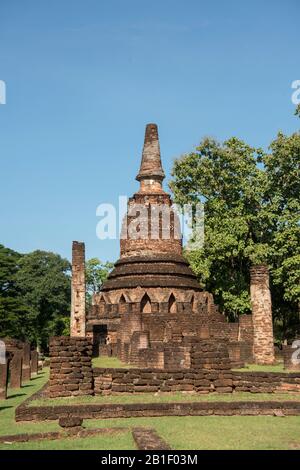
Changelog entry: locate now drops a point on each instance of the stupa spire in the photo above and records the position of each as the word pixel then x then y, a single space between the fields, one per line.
pixel 151 172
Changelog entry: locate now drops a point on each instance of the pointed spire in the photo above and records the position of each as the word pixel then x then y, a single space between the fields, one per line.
pixel 151 168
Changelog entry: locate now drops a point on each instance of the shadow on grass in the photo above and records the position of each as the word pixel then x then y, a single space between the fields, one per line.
pixel 15 395
pixel 5 407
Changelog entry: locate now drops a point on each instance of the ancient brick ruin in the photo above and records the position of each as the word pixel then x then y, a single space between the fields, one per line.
pixel 3 380
pixel 77 327
pixel 21 363
pixel 151 309
pixel 263 341
pixel 70 367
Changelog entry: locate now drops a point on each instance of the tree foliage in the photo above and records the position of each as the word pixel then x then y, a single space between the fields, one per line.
pixel 13 311
pixel 34 295
pixel 251 202
pixel 96 273
pixel 282 169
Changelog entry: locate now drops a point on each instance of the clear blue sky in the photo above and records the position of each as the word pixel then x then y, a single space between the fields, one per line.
pixel 84 77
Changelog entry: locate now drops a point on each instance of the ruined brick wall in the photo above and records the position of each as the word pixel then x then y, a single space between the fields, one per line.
pixel 177 356
pixel 192 317
pixel 263 341
pixel 266 382
pixel 245 328
pixel 209 354
pixel 19 361
pixel 109 381
pixel 116 381
pixel 77 327
pixel 3 380
pixel 70 367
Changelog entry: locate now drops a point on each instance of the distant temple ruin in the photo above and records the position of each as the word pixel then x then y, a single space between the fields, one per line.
pixel 152 310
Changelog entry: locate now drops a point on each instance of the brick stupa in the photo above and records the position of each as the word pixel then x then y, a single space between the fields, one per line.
pixel 152 308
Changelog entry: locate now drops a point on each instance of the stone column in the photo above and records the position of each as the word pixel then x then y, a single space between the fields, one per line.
pixel 3 380
pixel 34 362
pixel 78 290
pixel 26 372
pixel 16 370
pixel 263 341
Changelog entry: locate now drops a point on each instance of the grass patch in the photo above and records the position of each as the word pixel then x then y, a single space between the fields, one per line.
pixel 110 362
pixel 219 432
pixel 189 432
pixel 263 368
pixel 167 398
pixel 8 424
pixel 115 363
pixel 118 441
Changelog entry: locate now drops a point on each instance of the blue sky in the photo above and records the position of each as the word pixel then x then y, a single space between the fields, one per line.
pixel 84 77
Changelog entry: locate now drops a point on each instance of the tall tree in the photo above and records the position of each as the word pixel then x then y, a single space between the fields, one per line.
pixel 96 273
pixel 13 311
pixel 227 178
pixel 282 168
pixel 43 280
pixel 252 213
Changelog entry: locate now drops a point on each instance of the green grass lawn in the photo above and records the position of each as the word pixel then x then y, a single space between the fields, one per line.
pixel 8 425
pixel 167 397
pixel 190 432
pixel 117 441
pixel 15 397
pixel 261 368
pixel 110 362
pixel 115 363
pixel 219 432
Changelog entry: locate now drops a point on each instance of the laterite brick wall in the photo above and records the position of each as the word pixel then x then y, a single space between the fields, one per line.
pixel 70 367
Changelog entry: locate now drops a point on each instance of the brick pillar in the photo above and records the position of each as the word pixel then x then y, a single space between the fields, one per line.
pixel 15 367
pixel 3 380
pixel 26 373
pixel 34 362
pixel 71 371
pixel 77 327
pixel 263 341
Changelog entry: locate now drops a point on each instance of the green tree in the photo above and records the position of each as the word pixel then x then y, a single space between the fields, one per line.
pixel 96 273
pixel 282 168
pixel 43 280
pixel 13 311
pixel 228 180
pixel 251 216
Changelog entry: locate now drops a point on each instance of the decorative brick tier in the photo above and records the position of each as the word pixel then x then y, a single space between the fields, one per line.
pixel 70 367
